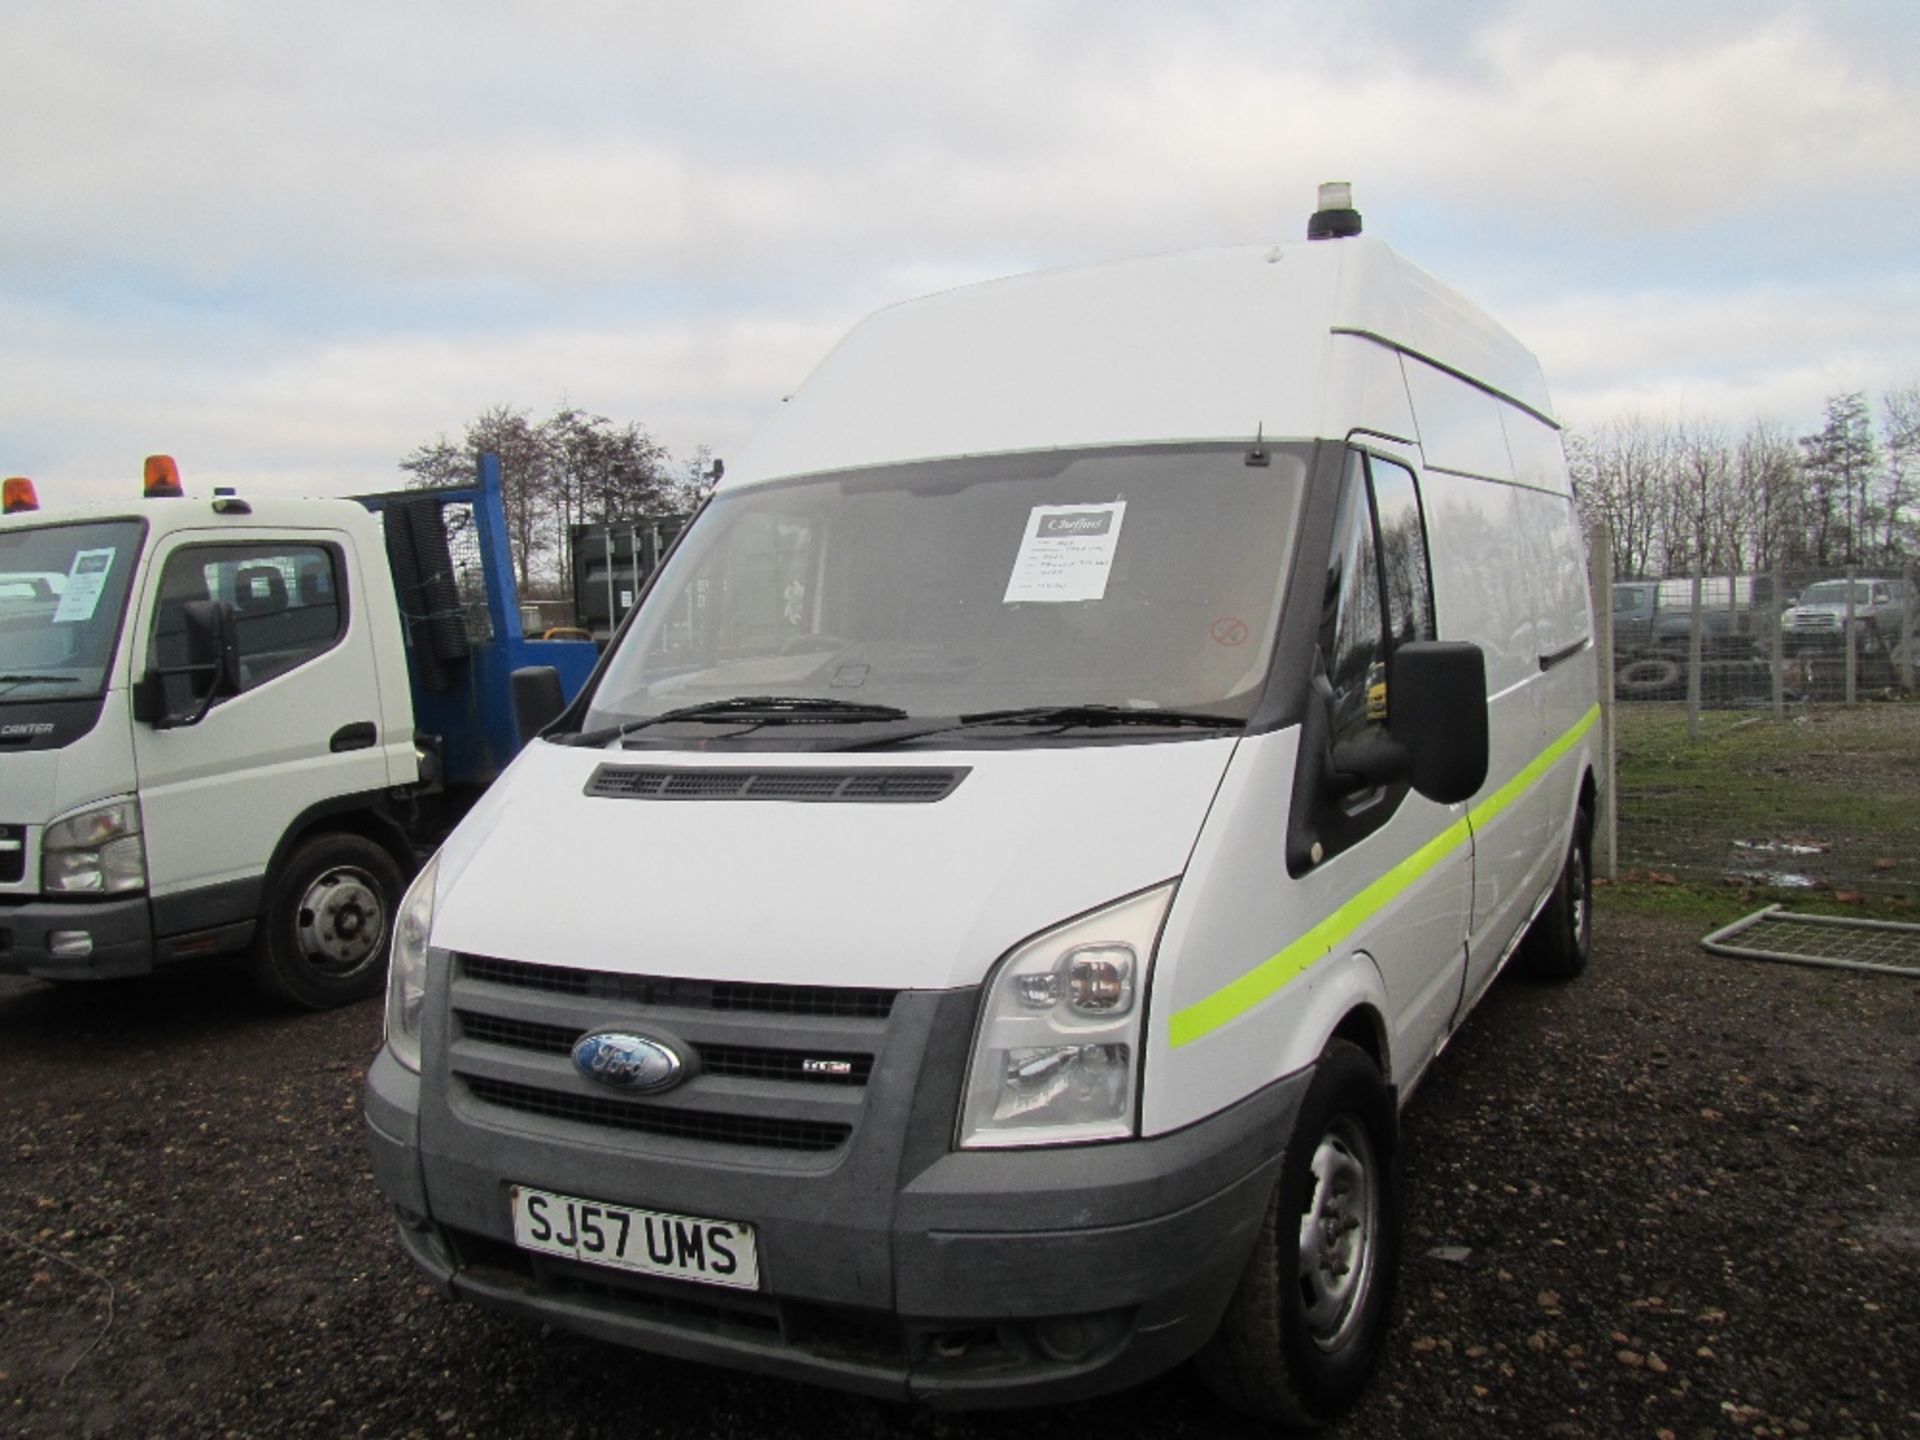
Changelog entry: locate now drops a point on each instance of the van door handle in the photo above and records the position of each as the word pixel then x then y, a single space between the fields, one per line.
pixel 1565 652
pixel 358 736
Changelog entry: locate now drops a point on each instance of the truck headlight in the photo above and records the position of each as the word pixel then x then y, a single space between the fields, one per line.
pixel 1056 1058
pixel 98 851
pixel 407 969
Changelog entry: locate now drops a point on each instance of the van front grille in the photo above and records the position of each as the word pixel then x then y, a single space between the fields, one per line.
pixel 768 1067
pixel 846 1001
pixel 750 1062
pixel 762 1132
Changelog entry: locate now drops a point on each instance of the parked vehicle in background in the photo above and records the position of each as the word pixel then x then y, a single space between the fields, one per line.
pixel 1817 621
pixel 612 562
pixel 1088 757
pixel 1635 604
pixel 232 724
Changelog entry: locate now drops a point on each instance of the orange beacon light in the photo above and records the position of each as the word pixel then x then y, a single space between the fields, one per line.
pixel 162 478
pixel 16 496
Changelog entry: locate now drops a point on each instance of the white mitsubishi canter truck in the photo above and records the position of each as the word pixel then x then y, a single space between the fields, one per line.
pixel 1035 831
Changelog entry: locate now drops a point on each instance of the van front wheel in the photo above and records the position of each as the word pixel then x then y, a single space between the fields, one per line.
pixel 328 923
pixel 1303 1329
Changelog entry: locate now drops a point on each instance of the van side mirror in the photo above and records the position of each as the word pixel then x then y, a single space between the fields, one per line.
pixel 537 699
pixel 213 662
pixel 1437 709
pixel 1436 738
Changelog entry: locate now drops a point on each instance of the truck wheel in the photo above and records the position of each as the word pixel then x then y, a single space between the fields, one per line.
pixel 328 923
pixel 1561 937
pixel 1646 679
pixel 1303 1329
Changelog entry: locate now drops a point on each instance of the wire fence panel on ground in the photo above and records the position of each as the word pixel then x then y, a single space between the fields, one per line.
pixel 1887 947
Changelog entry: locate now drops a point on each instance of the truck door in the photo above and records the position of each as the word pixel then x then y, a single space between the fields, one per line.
pixel 216 797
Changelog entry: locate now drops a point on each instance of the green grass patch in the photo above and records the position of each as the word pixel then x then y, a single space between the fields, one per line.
pixel 1710 906
pixel 1827 798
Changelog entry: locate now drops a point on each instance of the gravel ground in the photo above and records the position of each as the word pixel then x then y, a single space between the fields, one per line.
pixel 1680 1197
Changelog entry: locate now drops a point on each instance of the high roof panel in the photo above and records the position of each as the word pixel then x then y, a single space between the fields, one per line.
pixel 1208 345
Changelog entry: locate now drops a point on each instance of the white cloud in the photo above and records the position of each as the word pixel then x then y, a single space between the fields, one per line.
pixel 1768 351
pixel 335 417
pixel 304 241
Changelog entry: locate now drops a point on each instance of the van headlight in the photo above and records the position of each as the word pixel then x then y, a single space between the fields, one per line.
pixel 97 852
pixel 1056 1058
pixel 407 970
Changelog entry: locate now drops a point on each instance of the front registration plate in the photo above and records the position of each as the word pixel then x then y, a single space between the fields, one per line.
pixel 685 1247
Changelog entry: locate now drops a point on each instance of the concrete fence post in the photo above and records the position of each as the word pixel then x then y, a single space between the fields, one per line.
pixel 1606 821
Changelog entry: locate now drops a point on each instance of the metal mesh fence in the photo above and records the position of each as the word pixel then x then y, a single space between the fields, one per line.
pixel 1766 735
pixel 469 573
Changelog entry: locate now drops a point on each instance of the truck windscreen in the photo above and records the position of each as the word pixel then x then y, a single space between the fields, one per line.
pixel 1142 579
pixel 62 591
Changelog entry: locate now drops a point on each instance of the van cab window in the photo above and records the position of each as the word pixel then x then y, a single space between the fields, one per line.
pixel 286 599
pixel 1379 591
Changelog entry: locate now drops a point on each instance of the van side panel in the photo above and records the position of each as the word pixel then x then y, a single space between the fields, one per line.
pixel 1460 427
pixel 1482 593
pixel 1366 391
pixel 1255 969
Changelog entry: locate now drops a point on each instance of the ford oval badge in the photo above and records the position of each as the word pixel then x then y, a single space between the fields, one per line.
pixel 623 1060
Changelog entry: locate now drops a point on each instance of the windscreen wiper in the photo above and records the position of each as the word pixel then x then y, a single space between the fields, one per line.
pixel 12 680
pixel 759 709
pixel 1062 717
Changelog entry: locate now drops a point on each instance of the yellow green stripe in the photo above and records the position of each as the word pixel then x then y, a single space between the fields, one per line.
pixel 1239 996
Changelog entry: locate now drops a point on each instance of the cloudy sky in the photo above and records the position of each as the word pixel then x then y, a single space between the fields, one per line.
pixel 289 243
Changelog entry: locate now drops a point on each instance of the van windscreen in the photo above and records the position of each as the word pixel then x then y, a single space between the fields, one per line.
pixel 1142 579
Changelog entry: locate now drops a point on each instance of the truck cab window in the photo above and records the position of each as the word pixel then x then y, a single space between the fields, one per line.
pixel 286 599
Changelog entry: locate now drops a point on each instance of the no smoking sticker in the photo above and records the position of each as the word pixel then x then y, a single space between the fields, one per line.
pixel 1229 631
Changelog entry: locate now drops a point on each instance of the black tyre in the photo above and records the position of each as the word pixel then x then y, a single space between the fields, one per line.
pixel 1557 945
pixel 329 922
pixel 1647 679
pixel 1303 1330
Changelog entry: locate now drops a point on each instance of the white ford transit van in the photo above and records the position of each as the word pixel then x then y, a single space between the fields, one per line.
pixel 972 937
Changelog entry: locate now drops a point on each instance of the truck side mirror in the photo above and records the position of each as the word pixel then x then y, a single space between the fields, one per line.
pixel 1437 710
pixel 537 699
pixel 213 660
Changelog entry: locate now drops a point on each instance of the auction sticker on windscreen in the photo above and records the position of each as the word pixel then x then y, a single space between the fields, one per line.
pixel 85 582
pixel 1066 553
pixel 682 1247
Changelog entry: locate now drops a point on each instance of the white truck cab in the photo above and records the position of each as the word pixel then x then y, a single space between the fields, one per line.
pixel 1035 830
pixel 208 728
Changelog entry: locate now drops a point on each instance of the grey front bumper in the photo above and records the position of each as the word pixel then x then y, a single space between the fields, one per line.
pixel 119 935
pixel 1015 1276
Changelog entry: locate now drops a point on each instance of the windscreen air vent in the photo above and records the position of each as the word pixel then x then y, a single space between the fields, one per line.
pixel 898 786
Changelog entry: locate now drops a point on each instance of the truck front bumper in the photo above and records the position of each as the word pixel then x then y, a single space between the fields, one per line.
pixel 1016 1276
pixel 90 940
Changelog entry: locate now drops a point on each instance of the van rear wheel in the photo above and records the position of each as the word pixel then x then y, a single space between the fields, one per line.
pixel 329 922
pixel 1306 1324
pixel 1561 937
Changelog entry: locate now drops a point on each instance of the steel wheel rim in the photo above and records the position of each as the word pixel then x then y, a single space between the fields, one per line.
pixel 341 921
pixel 1339 1234
pixel 1581 894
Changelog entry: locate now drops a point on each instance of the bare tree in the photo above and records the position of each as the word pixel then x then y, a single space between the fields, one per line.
pixel 1900 471
pixel 571 468
pixel 1620 469
pixel 1768 496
